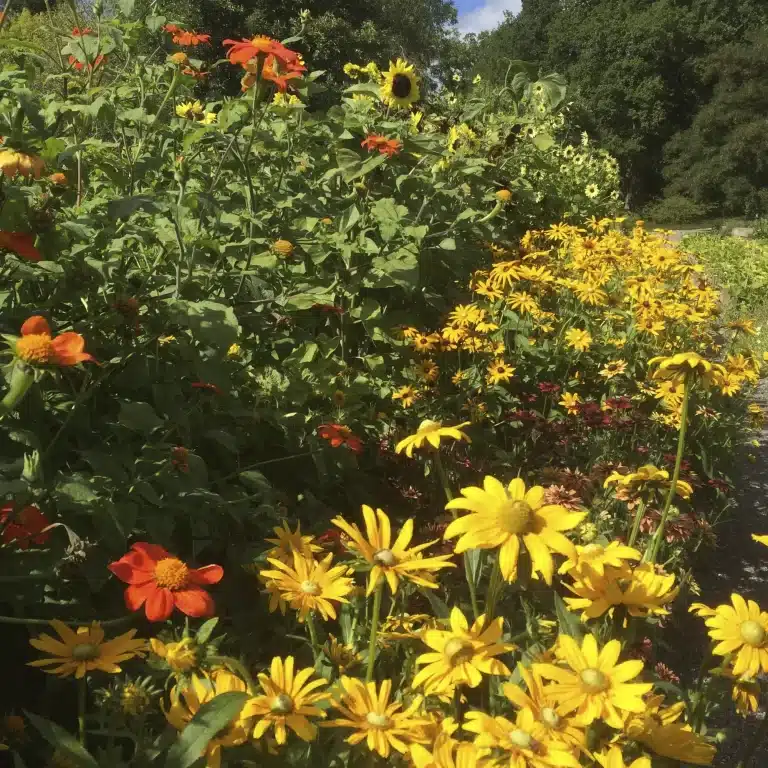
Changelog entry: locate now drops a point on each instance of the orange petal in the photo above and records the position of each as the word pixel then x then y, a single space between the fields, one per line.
pixel 35 325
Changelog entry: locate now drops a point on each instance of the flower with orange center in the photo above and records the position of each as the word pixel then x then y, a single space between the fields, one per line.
pixel 375 142
pixel 164 582
pixel 13 163
pixel 37 346
pixel 21 243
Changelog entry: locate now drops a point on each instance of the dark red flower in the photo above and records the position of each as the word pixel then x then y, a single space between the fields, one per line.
pixel 180 458
pixel 548 386
pixel 24 527
pixel 330 309
pixel 207 386
pixel 338 435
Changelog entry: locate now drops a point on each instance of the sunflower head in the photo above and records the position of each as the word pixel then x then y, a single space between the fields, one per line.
pixel 401 85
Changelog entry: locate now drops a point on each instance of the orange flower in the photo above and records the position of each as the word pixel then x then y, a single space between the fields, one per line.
pixel 77 32
pixel 23 527
pixel 60 179
pixel 13 163
pixel 37 347
pixel 21 243
pixel 164 582
pixel 182 37
pixel 280 73
pixel 337 434
pixel 241 52
pixel 385 146
pixel 95 64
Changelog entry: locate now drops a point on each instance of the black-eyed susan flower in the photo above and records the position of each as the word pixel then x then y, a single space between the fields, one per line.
pixel 391 561
pixel 684 364
pixel 288 700
pixel 187 699
pixel 578 338
pixel 613 368
pixel 308 585
pixel 425 342
pixel 77 652
pixel 499 371
pixel 288 542
pixel 570 401
pixel 400 86
pixel 591 683
pixel 432 432
pixel 342 655
pixel 462 654
pixel 613 758
pixel 182 656
pixel 504 517
pixel 382 724
pixel 647 477
pixel 596 557
pixel 449 753
pixel 523 302
pixel 13 163
pixel 741 629
pixel 407 395
pixel 745 694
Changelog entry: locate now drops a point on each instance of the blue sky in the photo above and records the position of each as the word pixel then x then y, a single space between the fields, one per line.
pixel 477 15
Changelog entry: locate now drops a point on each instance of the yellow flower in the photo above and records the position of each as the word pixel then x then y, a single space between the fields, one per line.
pixel 209 119
pixel 13 163
pixel 135 700
pixel 387 560
pixel 741 630
pixel 405 626
pixel 81 651
pixel 503 517
pixel 384 726
pixel 187 700
pixel 431 432
pixel 657 728
pixel 310 585
pixel 499 371
pixel 458 377
pixel 428 370
pixel 614 759
pixel 613 368
pixel 744 326
pixel 570 401
pixel 579 339
pixel 449 753
pixel 461 137
pixel 190 110
pixel 647 477
pixel 593 685
pixel 288 542
pixel 340 654
pixel 163 340
pixel 288 700
pixel 400 87
pixel 234 350
pixel 462 655
pixel 760 539
pixel 684 364
pixel 595 557
pixel 425 342
pixel 180 657
pixel 523 302
pixel 406 395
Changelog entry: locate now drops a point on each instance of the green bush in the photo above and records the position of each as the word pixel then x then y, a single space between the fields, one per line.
pixel 675 210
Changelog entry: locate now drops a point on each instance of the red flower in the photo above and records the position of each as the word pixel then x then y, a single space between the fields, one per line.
pixel 37 347
pixel 95 64
pixel 182 37
pixel 280 74
pixel 548 386
pixel 164 582
pixel 330 309
pixel 337 435
pixel 207 386
pixel 242 51
pixel 23 527
pixel 21 243
pixel 180 458
pixel 385 146
pixel 77 32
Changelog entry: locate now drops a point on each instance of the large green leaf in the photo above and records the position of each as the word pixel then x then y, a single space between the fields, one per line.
pixel 568 622
pixel 63 742
pixel 210 322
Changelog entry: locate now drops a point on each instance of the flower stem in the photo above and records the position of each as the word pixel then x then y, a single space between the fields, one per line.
pixel 636 525
pixel 659 537
pixel 82 690
pixel 468 569
pixel 313 634
pixel 374 630
pixel 494 588
pixel 22 378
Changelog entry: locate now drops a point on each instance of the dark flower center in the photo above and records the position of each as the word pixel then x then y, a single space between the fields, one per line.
pixel 401 86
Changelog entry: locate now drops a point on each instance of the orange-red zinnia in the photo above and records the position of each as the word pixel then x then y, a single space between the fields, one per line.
pixel 242 51
pixel 37 346
pixel 182 37
pixel 161 582
pixel 385 146
pixel 25 527
pixel 21 243
pixel 338 434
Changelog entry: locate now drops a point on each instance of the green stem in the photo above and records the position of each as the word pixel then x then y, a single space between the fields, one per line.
pixel 79 623
pixel 468 571
pixel 636 525
pixel 82 691
pixel 659 537
pixel 374 630
pixel 22 378
pixel 757 740
pixel 313 635
pixel 494 587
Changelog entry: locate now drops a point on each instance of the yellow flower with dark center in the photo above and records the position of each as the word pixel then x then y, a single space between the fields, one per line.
pixel 641 590
pixel 504 517
pixel 730 383
pixel 461 138
pixel 595 557
pixel 407 395
pixel 341 655
pixel 579 339
pixel 383 725
pixel 180 656
pixel 613 368
pixel 190 110
pixel 13 163
pixel 647 477
pixel 570 401
pixel 743 326
pixel 741 629
pixel 81 651
pixel 588 293
pixel 449 753
pixel 658 729
pixel 432 432
pixel 683 364
pixel 425 342
pixel 592 685
pixel 525 742
pixel 187 700
pixel 670 392
pixel 288 542
pixel 499 371
pixel 613 758
pixel 400 87
pixel 523 302
pixel 289 698
pixel 544 708
pixel 504 274
pixel 309 585
pixel 391 561
pixel 428 370
pixel 461 655
pixel 465 314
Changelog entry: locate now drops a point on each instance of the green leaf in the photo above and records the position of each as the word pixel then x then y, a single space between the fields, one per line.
pixel 349 218
pixel 205 632
pixel 211 718
pixel 543 141
pixel 63 741
pixel 568 622
pixel 449 244
pixel 210 322
pixel 127 206
pixel 139 417
pixel 371 88
pixel 439 607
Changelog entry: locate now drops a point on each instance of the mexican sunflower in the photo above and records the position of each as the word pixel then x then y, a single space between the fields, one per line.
pixel 25 527
pixel 164 582
pixel 374 142
pixel 21 243
pixel 242 51
pixel 338 435
pixel 182 37
pixel 38 347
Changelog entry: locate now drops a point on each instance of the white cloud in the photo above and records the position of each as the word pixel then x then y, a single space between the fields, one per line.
pixel 487 16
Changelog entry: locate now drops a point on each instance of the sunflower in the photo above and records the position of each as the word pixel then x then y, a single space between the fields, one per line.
pixel 388 561
pixel 385 726
pixel 591 191
pixel 613 368
pixel 407 395
pixel 741 630
pixel 592 684
pixel 310 585
pixel 461 655
pixel 187 700
pixel 288 542
pixel 613 758
pixel 525 741
pixel 400 87
pixel 502 517
pixel 288 701
pixel 431 432
pixel 499 371
pixel 79 652
pixel 579 339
